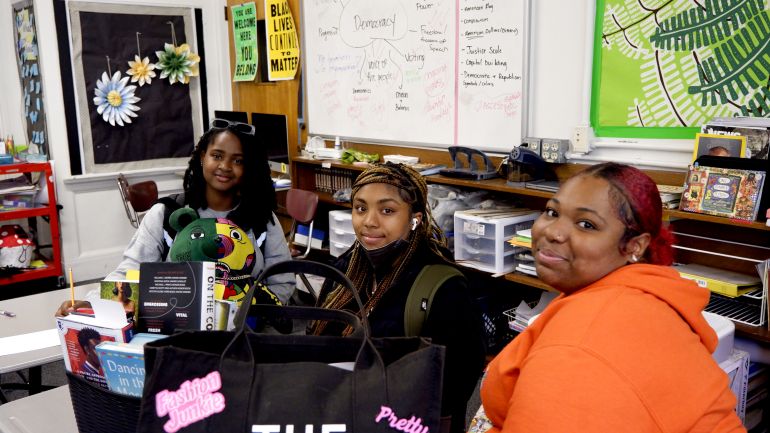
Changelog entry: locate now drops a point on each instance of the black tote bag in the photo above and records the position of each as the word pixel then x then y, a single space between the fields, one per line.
pixel 241 381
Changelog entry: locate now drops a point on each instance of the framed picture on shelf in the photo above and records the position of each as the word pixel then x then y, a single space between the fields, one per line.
pixel 719 145
pixel 726 192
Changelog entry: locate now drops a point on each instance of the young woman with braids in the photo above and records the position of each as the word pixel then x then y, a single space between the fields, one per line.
pixel 625 346
pixel 227 177
pixel 396 237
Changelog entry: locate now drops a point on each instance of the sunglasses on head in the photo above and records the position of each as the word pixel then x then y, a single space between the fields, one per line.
pixel 243 128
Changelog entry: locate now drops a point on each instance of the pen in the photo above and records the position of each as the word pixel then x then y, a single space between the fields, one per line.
pixel 7 313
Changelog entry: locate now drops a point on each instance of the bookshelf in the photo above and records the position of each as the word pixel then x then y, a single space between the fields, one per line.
pixel 48 212
pixel 738 244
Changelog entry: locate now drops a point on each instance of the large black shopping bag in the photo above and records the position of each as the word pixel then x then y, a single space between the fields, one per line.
pixel 241 381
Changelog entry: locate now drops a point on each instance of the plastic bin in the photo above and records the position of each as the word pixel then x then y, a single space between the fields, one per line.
pixel 341 234
pixel 481 238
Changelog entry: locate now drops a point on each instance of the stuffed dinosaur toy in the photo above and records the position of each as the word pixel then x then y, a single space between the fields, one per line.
pixel 218 240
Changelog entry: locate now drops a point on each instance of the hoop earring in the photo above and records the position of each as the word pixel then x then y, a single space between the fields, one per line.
pixel 634 259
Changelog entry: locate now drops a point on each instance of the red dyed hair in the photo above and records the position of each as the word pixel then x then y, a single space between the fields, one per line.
pixel 637 202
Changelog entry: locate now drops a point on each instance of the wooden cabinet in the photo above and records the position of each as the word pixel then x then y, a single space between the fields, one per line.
pixel 47 212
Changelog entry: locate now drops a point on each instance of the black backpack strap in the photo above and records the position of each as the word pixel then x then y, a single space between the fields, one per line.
pixel 170 203
pixel 421 295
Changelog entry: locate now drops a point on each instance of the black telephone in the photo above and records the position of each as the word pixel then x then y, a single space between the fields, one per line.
pixel 525 165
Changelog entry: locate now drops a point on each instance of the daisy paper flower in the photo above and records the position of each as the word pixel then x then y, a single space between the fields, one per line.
pixel 141 70
pixel 174 65
pixel 114 100
pixel 194 58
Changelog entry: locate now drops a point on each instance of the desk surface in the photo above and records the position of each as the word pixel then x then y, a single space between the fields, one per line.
pixel 24 416
pixel 34 313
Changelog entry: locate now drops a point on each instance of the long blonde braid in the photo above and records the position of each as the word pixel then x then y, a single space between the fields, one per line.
pixel 360 271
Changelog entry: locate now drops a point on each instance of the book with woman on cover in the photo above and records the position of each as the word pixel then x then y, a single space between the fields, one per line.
pixel 726 192
pixel 124 291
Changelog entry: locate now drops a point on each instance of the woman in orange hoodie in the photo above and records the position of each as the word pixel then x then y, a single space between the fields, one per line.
pixel 625 347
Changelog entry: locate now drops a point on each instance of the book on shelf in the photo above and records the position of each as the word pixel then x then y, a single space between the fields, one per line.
pixel 175 296
pixel 726 192
pixel 757 133
pixel 720 281
pixel 125 291
pixel 80 333
pixel 543 185
pixel 123 364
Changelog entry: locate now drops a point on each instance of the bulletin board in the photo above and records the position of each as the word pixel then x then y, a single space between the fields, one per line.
pixel 168 115
pixel 433 73
pixel 664 68
pixel 28 61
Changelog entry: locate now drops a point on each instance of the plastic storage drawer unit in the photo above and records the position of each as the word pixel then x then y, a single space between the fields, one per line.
pixel 481 237
pixel 341 234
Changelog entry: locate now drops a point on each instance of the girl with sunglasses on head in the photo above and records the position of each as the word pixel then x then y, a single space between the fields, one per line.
pixel 396 238
pixel 227 177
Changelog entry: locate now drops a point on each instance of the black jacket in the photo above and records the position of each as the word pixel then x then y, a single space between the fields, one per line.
pixel 454 322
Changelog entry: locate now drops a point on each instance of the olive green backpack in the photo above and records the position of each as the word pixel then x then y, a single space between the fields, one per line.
pixel 420 298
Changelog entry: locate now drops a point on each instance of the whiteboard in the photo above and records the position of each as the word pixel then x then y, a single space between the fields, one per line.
pixel 433 73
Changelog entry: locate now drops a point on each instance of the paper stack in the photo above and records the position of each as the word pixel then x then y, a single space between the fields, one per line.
pixel 519 317
pixel 670 195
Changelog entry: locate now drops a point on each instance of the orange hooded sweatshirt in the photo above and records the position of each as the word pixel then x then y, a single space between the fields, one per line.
pixel 629 353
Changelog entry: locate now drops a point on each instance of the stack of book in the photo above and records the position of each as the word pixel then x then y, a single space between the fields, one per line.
pixel 330 180
pixel 123 363
pixel 670 195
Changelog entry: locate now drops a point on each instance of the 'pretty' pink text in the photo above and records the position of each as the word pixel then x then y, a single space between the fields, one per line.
pixel 411 425
pixel 193 401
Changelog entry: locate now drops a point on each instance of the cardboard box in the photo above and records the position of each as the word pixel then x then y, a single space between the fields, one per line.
pixel 79 334
pixel 737 369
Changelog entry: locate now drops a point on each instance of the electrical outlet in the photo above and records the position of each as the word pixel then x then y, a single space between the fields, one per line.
pixel 581 139
pixel 554 150
pixel 532 143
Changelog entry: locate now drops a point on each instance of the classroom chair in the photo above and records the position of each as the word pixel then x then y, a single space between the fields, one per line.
pixel 137 198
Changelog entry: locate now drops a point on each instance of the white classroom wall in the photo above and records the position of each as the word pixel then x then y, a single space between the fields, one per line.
pixel 94 227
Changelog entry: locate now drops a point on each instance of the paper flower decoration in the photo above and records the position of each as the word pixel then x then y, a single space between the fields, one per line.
pixel 194 58
pixel 141 70
pixel 114 100
pixel 176 63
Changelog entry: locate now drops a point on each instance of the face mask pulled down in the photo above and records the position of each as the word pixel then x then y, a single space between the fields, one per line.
pixel 385 255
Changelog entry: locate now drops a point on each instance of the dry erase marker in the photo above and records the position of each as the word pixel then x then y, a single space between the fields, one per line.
pixel 7 313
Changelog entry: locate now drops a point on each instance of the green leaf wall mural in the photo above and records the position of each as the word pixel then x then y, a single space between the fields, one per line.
pixel 662 68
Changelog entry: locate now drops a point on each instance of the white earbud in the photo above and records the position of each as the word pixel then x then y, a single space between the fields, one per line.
pixel 415 221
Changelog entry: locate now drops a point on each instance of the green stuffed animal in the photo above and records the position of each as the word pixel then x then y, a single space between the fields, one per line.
pixel 218 240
